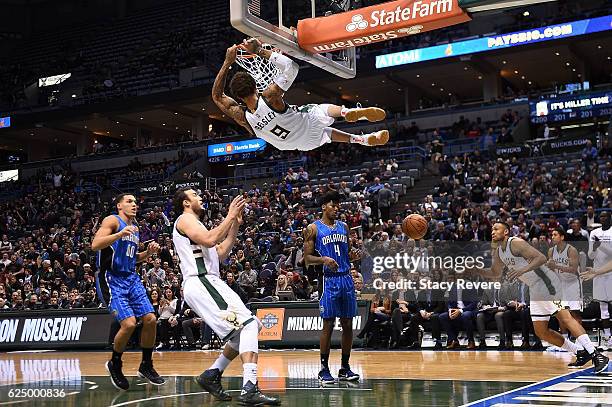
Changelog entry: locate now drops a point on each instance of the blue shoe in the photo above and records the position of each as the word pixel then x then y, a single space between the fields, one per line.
pixel 347 375
pixel 325 377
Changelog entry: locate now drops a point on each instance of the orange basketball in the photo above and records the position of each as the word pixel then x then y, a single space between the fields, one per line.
pixel 414 226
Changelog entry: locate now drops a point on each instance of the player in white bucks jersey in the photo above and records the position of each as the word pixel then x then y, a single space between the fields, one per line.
pixel 286 127
pixel 600 250
pixel 200 250
pixel 564 259
pixel 527 264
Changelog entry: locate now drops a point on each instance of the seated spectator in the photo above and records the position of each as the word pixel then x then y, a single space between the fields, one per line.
pixel 460 316
pixel 430 306
pixel 380 312
pixel 167 307
pixel 248 280
pixel 282 284
pixel 231 282
pixel 513 296
pixel 490 310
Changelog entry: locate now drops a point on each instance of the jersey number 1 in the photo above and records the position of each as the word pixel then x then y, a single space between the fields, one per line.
pixel 130 251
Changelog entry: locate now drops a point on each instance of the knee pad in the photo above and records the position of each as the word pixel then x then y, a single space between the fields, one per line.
pixel 248 339
pixel 234 343
pixel 604 311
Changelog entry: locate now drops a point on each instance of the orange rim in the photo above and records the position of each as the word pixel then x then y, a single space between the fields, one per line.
pixel 248 55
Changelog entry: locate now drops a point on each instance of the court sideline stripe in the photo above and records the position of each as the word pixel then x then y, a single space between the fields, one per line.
pixel 127 403
pixel 551 381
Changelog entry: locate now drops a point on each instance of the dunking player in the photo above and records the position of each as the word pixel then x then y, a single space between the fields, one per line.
pixel 600 250
pixel 284 126
pixel 200 250
pixel 120 288
pixel 328 238
pixel 527 264
pixel 564 259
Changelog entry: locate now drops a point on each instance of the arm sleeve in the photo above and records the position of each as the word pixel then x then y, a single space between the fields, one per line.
pixel 289 70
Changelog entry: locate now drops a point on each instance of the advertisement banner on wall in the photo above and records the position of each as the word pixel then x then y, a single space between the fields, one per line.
pixel 299 323
pixel 54 329
pixel 566 144
pixel 169 187
pixel 380 22
pixel 513 150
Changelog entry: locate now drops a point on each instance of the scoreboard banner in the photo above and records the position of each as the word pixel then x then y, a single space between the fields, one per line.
pixel 298 323
pixel 236 147
pixel 570 107
pixel 54 329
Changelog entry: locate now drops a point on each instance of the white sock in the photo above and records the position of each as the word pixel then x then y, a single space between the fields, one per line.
pixel 344 111
pixel 569 346
pixel 586 343
pixel 221 363
pixel 606 332
pixel 249 373
pixel 579 345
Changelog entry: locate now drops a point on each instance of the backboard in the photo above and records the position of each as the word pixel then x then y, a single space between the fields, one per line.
pixel 272 22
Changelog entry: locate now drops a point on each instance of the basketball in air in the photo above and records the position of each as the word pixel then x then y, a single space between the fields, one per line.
pixel 414 226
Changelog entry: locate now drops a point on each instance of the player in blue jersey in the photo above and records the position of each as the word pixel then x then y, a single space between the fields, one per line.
pixel 120 288
pixel 326 244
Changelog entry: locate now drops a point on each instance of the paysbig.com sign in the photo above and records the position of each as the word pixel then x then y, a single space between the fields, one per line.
pixel 236 147
pixel 494 42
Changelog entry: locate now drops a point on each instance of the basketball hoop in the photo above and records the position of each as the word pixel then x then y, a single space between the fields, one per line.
pixel 262 70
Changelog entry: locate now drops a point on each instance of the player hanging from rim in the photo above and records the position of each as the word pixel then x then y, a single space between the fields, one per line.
pixel 326 245
pixel 526 263
pixel 200 250
pixel 287 127
pixel 564 259
pixel 121 290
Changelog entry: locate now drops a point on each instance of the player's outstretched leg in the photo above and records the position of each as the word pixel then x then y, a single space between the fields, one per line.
pixel 378 138
pixel 210 379
pixel 115 365
pixel 345 373
pixel 147 342
pixel 371 114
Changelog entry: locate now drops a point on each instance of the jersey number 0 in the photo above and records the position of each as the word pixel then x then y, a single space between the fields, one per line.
pixel 280 132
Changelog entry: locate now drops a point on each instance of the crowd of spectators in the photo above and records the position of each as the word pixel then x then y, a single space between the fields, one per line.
pixel 46 233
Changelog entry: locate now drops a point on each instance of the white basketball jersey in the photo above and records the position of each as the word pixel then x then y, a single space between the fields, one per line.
pixel 605 237
pixel 562 258
pixel 194 259
pixel 290 129
pixel 516 262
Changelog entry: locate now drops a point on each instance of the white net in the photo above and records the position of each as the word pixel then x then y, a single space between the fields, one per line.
pixel 262 70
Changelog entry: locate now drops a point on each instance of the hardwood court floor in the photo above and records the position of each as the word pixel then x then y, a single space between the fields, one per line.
pixel 402 378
